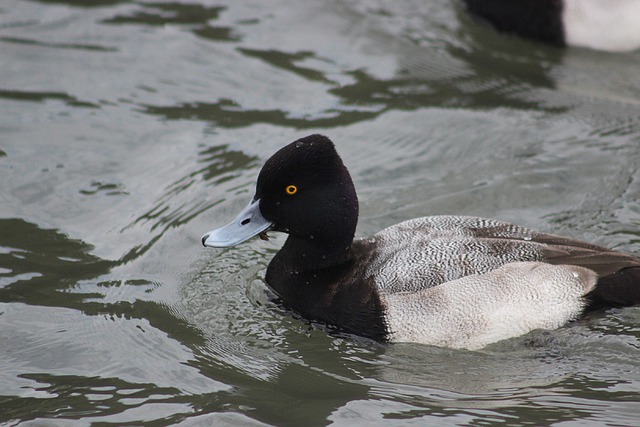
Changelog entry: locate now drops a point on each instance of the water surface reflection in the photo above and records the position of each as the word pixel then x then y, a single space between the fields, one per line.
pixel 129 128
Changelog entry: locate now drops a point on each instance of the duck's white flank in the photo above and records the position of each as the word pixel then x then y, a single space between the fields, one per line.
pixel 612 25
pixel 481 309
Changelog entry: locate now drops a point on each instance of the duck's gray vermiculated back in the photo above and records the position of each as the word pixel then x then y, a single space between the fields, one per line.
pixel 425 252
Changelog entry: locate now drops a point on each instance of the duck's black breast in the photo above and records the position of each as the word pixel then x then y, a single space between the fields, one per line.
pixel 342 295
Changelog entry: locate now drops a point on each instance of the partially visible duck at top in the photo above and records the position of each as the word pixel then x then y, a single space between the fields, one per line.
pixel 611 25
pixel 449 281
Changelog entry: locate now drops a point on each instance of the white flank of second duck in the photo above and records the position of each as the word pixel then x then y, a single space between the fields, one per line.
pixel 612 25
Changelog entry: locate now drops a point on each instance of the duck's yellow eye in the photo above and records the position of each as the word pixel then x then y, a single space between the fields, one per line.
pixel 291 190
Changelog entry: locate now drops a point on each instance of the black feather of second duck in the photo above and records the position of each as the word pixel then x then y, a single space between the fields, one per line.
pixel 324 275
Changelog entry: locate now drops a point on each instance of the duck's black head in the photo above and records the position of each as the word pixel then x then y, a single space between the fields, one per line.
pixel 303 190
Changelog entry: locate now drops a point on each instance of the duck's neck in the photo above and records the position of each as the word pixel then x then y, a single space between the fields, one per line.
pixel 316 252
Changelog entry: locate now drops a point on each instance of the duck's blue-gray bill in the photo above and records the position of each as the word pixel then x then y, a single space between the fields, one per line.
pixel 247 224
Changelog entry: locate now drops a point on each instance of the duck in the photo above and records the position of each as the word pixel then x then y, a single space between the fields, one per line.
pixel 607 25
pixel 449 281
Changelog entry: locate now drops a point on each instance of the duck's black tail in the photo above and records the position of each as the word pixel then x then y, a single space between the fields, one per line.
pixel 619 289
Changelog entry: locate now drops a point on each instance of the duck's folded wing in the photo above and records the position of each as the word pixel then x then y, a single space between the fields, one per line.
pixel 603 262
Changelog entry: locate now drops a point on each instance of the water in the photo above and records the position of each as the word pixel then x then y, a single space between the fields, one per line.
pixel 128 129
